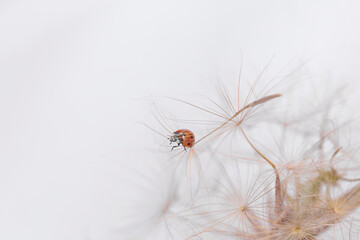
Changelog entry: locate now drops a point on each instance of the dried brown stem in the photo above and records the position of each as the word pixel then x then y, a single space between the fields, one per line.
pixel 253 104
pixel 279 202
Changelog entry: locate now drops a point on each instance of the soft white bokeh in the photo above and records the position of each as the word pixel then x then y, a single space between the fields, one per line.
pixel 73 75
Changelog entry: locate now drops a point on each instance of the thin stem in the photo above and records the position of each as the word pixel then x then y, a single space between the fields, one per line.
pixel 278 197
pixel 253 104
pixel 350 180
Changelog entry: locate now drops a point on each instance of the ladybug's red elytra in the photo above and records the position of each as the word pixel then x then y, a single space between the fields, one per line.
pixel 184 137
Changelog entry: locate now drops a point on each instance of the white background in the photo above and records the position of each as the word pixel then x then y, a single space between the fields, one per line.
pixel 72 74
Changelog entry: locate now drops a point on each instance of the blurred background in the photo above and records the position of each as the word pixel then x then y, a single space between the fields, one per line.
pixel 74 76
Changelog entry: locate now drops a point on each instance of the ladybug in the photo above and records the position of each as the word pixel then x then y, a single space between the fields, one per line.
pixel 184 137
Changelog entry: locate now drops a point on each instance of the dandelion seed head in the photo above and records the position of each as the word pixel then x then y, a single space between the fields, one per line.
pixel 302 166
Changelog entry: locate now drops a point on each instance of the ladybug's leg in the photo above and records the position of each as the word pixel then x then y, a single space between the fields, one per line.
pixel 175 146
